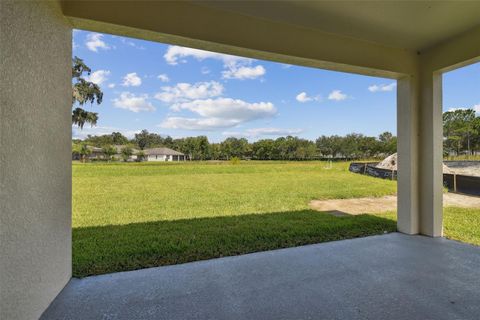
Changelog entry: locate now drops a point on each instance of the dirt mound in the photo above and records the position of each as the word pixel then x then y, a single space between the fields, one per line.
pixel 390 163
pixel 447 169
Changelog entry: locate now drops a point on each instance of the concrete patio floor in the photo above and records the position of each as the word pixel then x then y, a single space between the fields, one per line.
pixel 392 276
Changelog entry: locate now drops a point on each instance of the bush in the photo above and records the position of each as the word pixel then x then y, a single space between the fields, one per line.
pixel 234 160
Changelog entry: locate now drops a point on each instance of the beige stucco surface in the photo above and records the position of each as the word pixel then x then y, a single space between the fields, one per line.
pixel 35 166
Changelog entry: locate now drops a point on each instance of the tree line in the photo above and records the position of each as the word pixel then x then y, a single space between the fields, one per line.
pixel 461 132
pixel 351 146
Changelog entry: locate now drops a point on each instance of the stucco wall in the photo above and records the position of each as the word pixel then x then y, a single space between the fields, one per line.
pixel 35 165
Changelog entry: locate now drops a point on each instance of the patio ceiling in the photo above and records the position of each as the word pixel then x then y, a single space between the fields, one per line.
pixel 414 25
pixel 371 38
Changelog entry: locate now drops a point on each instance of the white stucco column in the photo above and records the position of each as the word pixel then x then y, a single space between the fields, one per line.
pixel 407 150
pixel 420 150
pixel 446 56
pixel 430 153
pixel 420 153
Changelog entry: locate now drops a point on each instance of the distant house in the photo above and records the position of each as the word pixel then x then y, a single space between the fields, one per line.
pixel 95 153
pixel 164 154
pixel 119 149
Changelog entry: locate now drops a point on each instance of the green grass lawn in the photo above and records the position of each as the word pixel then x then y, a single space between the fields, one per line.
pixel 137 215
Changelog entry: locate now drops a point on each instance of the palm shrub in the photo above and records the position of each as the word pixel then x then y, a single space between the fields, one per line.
pixel 141 155
pixel 82 150
pixel 109 152
pixel 126 153
pixel 234 160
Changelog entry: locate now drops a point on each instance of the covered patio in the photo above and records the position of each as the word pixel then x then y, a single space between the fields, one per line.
pixel 392 276
pixel 411 274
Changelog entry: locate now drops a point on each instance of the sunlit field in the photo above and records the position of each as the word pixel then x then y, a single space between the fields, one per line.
pixel 128 216
pixel 118 194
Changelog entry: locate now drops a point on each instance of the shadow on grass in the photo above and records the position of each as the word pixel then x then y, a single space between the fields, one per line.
pixel 105 249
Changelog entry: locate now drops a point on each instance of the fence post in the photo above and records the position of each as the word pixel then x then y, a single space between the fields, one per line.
pixel 454 182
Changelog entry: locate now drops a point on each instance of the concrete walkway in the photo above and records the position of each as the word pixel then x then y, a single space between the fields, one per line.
pixel 392 276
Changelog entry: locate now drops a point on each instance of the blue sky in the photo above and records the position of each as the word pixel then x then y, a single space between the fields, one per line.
pixel 182 92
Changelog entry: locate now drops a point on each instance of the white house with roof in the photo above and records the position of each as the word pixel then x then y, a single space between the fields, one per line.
pixel 164 154
pixel 119 149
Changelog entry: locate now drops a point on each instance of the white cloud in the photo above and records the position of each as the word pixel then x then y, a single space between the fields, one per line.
pixel 235 67
pixel 202 124
pixel 111 85
pixel 455 109
pixel 95 42
pixel 205 70
pixel 132 102
pixel 175 54
pixel 273 131
pixel 218 113
pixel 78 133
pixel 243 73
pixel 131 43
pixel 382 87
pixel 258 132
pixel 475 107
pixel 227 108
pixel 132 80
pixel 303 97
pixel 74 44
pixel 212 112
pixel 98 77
pixel 163 77
pixel 185 91
pixel 337 95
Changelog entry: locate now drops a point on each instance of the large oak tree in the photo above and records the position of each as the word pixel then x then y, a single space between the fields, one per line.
pixel 83 92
